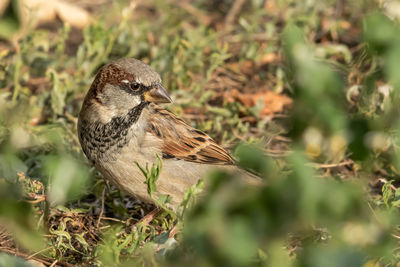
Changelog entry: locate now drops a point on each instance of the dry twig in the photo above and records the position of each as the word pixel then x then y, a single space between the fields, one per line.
pixel 333 165
pixel 233 13
pixel 102 207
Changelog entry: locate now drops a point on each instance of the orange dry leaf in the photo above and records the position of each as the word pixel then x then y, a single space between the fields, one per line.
pixel 273 102
pixel 270 6
pixel 345 25
pixel 326 24
pixel 247 67
pixel 72 14
pixel 268 58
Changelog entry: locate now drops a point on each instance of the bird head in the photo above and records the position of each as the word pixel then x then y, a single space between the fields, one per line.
pixel 124 84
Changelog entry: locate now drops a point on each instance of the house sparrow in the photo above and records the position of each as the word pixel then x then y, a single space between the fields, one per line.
pixel 120 124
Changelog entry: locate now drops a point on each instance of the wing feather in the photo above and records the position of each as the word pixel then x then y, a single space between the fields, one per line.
pixel 181 141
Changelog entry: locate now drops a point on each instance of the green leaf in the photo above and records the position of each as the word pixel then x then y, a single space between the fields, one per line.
pixel 9 20
pixel 387 193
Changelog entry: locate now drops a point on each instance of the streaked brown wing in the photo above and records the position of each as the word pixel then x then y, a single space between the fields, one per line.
pixel 181 141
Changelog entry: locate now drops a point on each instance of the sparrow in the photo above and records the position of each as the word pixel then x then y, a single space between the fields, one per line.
pixel 120 124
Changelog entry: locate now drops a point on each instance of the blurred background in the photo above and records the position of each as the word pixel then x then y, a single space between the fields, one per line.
pixel 305 93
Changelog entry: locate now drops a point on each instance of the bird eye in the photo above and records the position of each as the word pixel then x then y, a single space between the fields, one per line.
pixel 135 86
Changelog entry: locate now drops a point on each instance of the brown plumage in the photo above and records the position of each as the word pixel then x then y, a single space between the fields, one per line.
pixel 181 141
pixel 120 124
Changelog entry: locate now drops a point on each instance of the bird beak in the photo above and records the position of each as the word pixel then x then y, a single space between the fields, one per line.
pixel 157 94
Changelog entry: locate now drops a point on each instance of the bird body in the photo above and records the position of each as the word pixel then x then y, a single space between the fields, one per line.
pixel 121 124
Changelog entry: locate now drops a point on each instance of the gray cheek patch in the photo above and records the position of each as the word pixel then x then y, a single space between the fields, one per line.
pixel 120 97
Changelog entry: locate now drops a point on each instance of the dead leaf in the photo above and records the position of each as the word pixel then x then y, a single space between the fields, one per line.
pixel 34 263
pixel 247 67
pixel 273 102
pixel 72 14
pixel 345 25
pixel 207 51
pixel 268 58
pixel 270 6
pixel 392 9
pixel 35 12
pixel 38 11
pixel 3 5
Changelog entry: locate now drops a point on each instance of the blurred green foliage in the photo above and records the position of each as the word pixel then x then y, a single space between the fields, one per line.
pixel 9 21
pixel 331 196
